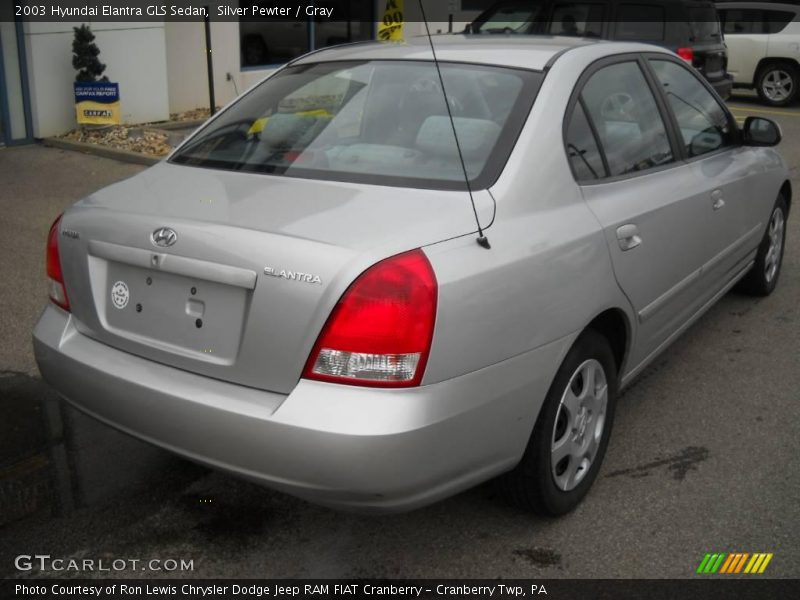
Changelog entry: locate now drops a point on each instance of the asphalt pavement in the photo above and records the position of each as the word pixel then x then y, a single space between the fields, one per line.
pixel 703 457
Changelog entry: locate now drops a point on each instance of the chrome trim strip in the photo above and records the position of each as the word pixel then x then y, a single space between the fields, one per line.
pixel 657 304
pixel 178 265
pixel 689 322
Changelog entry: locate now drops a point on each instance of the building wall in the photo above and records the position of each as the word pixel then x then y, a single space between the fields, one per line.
pixel 134 57
pixel 186 59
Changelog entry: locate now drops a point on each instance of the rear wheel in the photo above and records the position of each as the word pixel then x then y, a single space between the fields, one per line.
pixel 777 83
pixel 569 440
pixel 763 277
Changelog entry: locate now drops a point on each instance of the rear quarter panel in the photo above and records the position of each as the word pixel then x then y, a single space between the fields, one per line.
pixel 548 273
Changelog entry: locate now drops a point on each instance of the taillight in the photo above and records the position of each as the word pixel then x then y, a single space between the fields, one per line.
pixel 55 278
pixel 686 54
pixel 380 332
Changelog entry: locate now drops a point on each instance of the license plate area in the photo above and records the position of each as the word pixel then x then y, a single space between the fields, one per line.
pixel 713 63
pixel 184 315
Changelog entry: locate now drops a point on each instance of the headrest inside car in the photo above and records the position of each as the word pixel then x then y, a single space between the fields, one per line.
pixel 475 136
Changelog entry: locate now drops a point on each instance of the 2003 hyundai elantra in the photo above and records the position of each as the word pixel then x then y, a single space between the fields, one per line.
pixel 296 295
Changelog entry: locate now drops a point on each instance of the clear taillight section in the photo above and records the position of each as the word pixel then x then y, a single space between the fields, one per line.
pixel 55 278
pixel 380 332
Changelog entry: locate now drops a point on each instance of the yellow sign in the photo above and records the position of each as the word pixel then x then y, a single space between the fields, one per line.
pixel 390 28
pixel 97 103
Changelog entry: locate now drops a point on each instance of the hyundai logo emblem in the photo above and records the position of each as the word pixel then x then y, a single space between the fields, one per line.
pixel 164 237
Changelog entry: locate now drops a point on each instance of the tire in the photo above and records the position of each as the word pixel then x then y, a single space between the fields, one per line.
pixel 554 487
pixel 777 83
pixel 763 277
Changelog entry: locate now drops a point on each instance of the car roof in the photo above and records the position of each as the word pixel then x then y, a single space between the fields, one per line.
pixel 533 52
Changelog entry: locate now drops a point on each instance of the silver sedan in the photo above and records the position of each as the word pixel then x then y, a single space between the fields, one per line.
pixel 373 283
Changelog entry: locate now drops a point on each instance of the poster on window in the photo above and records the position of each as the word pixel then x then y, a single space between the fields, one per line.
pixel 97 103
pixel 390 29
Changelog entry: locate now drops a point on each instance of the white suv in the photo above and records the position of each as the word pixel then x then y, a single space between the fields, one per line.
pixel 763 48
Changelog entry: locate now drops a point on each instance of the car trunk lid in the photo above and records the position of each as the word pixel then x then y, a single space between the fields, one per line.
pixel 256 265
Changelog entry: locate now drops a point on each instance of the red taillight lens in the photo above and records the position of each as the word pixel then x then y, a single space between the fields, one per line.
pixel 686 54
pixel 380 332
pixel 55 278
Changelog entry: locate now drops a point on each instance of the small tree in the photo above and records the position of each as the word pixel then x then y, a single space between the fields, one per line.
pixel 84 56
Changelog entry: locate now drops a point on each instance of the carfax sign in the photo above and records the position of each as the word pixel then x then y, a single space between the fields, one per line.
pixel 97 103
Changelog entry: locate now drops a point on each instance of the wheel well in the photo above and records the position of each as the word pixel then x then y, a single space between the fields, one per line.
pixel 764 62
pixel 786 192
pixel 613 325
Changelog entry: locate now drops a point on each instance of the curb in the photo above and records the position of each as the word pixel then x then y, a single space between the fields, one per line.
pixel 167 125
pixel 104 151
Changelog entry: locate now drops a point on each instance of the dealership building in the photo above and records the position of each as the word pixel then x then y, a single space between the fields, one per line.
pixel 161 66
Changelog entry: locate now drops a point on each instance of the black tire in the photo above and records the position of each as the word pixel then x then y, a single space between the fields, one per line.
pixel 532 484
pixel 767 74
pixel 757 282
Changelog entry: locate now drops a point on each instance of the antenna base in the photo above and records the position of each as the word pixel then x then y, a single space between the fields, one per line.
pixel 483 242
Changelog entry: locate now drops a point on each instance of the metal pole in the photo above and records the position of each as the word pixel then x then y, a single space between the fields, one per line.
pixel 209 64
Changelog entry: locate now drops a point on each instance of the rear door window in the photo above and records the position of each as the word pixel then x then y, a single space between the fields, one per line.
pixel 581 19
pixel 705 126
pixel 626 117
pixel 704 22
pixel 641 22
pixel 741 21
pixel 776 21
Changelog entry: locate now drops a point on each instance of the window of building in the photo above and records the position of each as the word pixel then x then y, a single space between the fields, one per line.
pixel 269 43
pixel 627 119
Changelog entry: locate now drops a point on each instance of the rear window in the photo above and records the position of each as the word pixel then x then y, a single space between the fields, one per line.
pixel 704 23
pixel 640 22
pixel 581 19
pixel 380 122
pixel 517 16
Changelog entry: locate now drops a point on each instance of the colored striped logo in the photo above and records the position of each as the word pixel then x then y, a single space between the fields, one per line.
pixel 735 562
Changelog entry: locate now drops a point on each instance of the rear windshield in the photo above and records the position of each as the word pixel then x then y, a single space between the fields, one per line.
pixel 381 122
pixel 705 24
pixel 515 16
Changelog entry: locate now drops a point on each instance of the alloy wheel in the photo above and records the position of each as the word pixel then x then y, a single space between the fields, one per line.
pixel 579 425
pixel 772 260
pixel 777 85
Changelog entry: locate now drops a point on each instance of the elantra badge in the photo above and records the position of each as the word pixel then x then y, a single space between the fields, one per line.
pixel 292 275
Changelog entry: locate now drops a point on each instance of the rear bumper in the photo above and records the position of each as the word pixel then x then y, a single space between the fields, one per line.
pixel 723 86
pixel 344 446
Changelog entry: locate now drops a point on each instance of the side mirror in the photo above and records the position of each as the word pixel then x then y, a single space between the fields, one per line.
pixel 758 131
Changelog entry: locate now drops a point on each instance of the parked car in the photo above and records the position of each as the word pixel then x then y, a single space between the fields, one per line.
pixel 296 295
pixel 763 48
pixel 690 28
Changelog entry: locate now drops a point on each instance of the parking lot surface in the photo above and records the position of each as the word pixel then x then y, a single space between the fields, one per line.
pixel 703 457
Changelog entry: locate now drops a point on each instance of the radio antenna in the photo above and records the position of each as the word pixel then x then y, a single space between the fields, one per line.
pixel 483 241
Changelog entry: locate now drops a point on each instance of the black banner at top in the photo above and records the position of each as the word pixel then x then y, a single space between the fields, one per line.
pixel 340 10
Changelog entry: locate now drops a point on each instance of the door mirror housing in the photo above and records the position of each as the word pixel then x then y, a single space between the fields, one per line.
pixel 758 131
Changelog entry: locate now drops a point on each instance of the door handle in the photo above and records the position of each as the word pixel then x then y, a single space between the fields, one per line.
pixel 628 237
pixel 717 200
